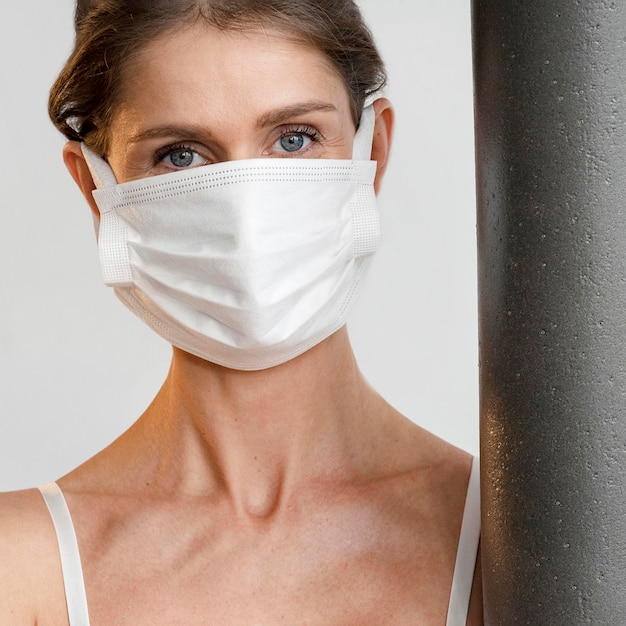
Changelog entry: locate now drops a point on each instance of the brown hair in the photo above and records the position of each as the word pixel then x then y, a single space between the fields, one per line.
pixel 109 33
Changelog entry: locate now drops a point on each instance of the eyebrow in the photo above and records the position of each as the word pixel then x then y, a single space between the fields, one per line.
pixel 169 131
pixel 277 116
pixel 271 118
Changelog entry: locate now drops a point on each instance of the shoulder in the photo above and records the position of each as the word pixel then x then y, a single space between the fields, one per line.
pixel 447 487
pixel 428 486
pixel 30 575
pixel 445 471
pixel 441 469
pixel 25 530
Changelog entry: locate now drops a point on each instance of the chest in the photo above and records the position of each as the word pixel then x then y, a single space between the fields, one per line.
pixel 324 571
pixel 353 593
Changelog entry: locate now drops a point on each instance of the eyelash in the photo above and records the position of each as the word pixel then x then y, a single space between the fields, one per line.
pixel 312 133
pixel 160 154
pixel 309 131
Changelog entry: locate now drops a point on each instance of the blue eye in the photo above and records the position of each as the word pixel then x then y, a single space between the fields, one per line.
pixel 296 139
pixel 292 142
pixel 182 158
pixel 178 157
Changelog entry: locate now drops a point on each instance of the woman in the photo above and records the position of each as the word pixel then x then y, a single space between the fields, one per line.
pixel 224 149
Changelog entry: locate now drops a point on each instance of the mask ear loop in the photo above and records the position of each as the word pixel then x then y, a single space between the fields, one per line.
pixel 101 171
pixel 102 175
pixel 362 146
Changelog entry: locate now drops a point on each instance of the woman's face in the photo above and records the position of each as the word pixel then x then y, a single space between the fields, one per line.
pixel 200 96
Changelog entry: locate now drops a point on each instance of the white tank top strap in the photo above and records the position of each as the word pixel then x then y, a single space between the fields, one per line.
pixel 73 580
pixel 466 552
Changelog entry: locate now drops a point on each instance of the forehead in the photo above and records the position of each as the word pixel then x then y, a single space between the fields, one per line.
pixel 224 72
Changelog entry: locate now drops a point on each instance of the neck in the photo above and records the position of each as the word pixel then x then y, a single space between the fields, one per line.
pixel 257 435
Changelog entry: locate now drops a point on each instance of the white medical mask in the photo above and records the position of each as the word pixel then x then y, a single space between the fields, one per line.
pixel 247 263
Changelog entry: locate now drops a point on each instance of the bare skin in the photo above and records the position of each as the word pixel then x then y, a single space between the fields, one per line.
pixel 293 495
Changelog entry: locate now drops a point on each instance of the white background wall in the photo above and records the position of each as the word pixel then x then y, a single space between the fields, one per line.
pixel 76 368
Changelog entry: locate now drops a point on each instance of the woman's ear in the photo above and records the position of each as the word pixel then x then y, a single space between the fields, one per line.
pixel 77 167
pixel 383 133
